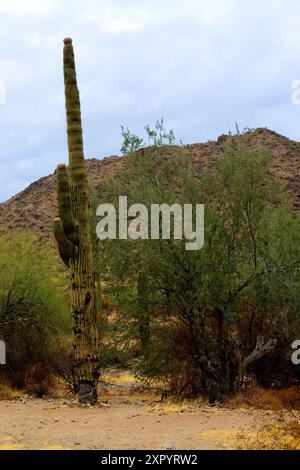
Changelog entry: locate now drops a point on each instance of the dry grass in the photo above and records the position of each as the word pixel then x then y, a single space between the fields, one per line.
pixel 279 432
pixel 284 434
pixel 8 393
pixel 40 382
pixel 170 407
pixel 270 399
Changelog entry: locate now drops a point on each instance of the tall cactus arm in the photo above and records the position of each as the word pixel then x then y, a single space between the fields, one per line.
pixel 75 142
pixel 66 248
pixel 65 205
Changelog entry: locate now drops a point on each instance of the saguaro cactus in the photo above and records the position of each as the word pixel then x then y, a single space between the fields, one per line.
pixel 73 234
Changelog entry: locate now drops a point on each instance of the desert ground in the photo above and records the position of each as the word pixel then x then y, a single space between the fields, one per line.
pixel 127 417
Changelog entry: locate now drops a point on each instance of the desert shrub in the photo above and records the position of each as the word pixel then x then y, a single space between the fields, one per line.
pixel 33 309
pixel 253 395
pixel 170 361
pixel 203 310
pixel 39 381
pixel 63 366
pixel 282 434
pixel 7 392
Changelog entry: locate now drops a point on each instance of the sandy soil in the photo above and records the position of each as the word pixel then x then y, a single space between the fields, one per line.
pixel 128 419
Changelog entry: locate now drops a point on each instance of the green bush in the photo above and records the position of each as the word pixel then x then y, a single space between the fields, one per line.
pixel 203 310
pixel 33 305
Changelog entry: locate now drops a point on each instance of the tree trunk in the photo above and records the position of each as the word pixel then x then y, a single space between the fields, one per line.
pixel 261 349
pixel 143 313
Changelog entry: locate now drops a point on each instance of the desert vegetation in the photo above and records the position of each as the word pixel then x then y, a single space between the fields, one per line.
pixel 203 321
pixel 211 324
pixel 33 319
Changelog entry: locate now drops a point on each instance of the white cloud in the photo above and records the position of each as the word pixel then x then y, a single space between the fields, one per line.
pixel 113 22
pixel 2 92
pixel 119 17
pixel 202 65
pixel 20 7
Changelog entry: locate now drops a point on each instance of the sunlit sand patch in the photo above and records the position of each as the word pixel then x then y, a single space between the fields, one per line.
pixel 120 383
pixel 224 438
pixel 53 447
pixel 12 447
pixel 7 444
pixel 125 378
pixel 22 447
pixel 141 397
pixel 119 378
pixel 173 407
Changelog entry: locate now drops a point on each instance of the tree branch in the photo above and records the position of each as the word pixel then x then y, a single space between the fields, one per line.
pixel 261 349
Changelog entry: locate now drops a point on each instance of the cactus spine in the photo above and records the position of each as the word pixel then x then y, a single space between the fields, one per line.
pixel 72 231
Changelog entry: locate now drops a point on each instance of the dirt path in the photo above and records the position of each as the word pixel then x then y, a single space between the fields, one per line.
pixel 129 420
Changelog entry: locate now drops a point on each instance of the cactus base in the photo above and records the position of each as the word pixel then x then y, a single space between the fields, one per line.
pixel 87 393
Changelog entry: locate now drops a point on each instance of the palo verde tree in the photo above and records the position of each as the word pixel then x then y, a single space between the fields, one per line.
pixel 73 234
pixel 208 311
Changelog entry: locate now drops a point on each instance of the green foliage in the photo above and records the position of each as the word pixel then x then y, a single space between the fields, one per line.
pixel 33 303
pixel 32 284
pixel 156 137
pixel 159 135
pixel 242 284
pixel 131 142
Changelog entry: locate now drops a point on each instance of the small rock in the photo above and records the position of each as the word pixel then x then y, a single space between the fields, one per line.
pixel 170 447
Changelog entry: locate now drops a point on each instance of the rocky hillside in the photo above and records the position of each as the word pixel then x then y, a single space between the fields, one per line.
pixel 35 207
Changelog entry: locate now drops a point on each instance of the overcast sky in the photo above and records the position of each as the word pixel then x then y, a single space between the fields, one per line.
pixel 200 64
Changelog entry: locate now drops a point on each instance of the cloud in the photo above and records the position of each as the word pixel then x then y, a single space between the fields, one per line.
pixel 20 7
pixel 201 65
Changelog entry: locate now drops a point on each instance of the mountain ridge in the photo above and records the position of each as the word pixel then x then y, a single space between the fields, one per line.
pixel 35 206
